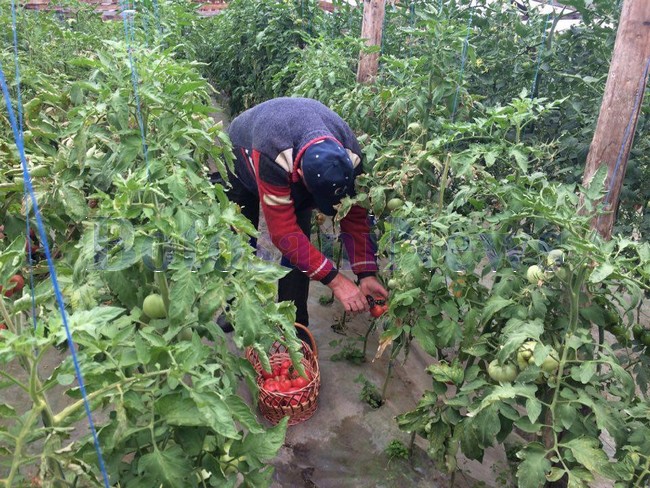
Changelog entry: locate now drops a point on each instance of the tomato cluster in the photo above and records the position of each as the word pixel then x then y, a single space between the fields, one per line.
pixel 378 306
pixel 284 378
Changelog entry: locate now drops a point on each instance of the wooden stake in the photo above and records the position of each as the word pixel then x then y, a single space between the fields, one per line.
pixel 620 107
pixel 371 30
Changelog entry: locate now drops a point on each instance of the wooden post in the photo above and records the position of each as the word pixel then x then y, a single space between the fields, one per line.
pixel 620 107
pixel 371 30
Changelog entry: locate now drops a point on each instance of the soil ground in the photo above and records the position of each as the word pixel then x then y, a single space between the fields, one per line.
pixel 344 443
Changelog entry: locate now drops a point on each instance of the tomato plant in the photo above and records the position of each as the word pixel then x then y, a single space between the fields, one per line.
pixel 130 234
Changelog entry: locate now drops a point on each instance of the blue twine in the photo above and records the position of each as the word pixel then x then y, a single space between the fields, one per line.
pixel 18 94
pixel 156 13
pixel 540 52
pixel 128 26
pixel 52 270
pixel 462 64
pixel 145 27
pixel 637 104
pixel 20 134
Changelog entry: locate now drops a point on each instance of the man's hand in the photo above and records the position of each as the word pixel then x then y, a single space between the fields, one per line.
pixel 371 286
pixel 349 294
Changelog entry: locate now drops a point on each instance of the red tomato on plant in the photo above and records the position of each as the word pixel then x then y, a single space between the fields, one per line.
pixel 19 284
pixel 377 310
pixel 378 306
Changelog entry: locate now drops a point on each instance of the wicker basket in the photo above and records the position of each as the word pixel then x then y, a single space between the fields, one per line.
pixel 298 405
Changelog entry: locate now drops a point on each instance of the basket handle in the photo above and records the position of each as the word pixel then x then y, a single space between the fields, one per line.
pixel 314 347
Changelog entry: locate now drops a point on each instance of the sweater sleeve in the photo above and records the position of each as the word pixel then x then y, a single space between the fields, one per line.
pixel 355 231
pixel 278 207
pixel 358 242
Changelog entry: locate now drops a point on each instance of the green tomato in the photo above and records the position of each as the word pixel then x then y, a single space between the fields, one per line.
pixel 555 257
pixel 638 331
pixel 612 320
pixel 535 274
pixel 502 374
pixel 154 307
pixel 185 334
pixel 645 338
pixel 525 354
pixel 392 283
pixel 562 273
pixel 394 204
pixel 551 363
pixel 618 331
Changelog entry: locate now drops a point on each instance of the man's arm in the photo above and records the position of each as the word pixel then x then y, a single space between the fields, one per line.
pixel 277 205
pixel 279 212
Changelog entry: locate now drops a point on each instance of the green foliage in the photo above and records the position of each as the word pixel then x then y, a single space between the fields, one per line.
pixel 397 450
pixel 349 352
pixel 252 41
pixel 370 394
pixel 121 227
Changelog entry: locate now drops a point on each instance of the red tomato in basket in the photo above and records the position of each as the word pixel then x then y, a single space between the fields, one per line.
pixel 271 385
pixel 266 375
pixel 299 382
pixel 286 364
pixel 284 385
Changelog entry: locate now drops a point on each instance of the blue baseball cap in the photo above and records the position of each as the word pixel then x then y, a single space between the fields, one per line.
pixel 328 173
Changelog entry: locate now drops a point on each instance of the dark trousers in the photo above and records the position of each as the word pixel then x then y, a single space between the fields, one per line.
pixel 294 287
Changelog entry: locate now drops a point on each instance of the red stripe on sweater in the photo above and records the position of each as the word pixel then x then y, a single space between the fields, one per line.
pixel 355 234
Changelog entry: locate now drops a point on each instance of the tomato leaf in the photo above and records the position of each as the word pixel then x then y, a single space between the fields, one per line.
pixel 169 468
pixel 493 305
pixel 216 413
pixel 262 447
pixel 247 316
pixel 142 350
pixel 532 471
pixel 533 408
pixel 566 414
pixel 179 410
pixel 601 272
pixel 183 291
pixel 241 411
pixel 587 452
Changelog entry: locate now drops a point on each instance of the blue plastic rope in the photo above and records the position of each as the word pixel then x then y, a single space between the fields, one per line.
pixel 30 263
pixel 17 67
pixel 156 12
pixel 127 15
pixel 50 263
pixel 462 64
pixel 628 130
pixel 540 53
pixel 145 27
